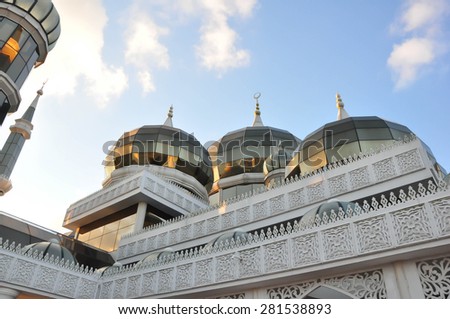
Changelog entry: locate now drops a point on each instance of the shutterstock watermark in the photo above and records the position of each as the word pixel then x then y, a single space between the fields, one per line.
pixel 236 152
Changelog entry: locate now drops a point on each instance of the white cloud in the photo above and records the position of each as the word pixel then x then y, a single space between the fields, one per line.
pixel 78 56
pixel 143 47
pixel 408 58
pixel 218 41
pixel 420 24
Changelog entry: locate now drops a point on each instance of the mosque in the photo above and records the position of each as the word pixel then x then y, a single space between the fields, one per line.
pixel 359 208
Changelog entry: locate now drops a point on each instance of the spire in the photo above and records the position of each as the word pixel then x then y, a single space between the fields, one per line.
pixel 168 121
pixel 257 121
pixel 342 113
pixel 20 132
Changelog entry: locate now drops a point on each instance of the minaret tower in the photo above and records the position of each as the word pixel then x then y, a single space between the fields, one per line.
pixel 20 132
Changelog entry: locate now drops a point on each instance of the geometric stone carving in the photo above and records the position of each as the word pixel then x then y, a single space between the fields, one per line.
pixel 291 292
pixel 384 169
pixel 337 184
pixel 409 161
pixel 411 225
pixel 366 285
pixel 315 192
pixel 275 256
pixel 133 286
pixel 277 204
pixel 225 267
pixel 67 284
pixel 296 198
pixel 165 279
pixel 119 288
pixel 260 210
pixel 337 242
pixel 228 220
pixel 23 272
pixel 435 278
pixel 441 210
pixel 86 289
pixel 306 249
pixel 46 278
pixel 236 296
pixel 5 263
pixel 250 262
pixel 106 289
pixel 203 272
pixel 184 276
pixel 199 228
pixel 372 234
pixel 213 225
pixel 243 215
pixel 149 283
pixel 359 177
pixel 186 232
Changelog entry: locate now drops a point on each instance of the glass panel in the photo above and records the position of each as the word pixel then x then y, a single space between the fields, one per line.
pixel 25 4
pixel 111 227
pixel 374 134
pixel 51 21
pixel 108 241
pixel 127 221
pixel 367 146
pixel 229 193
pixel 7 29
pixel 314 162
pixel 16 68
pixel 41 10
pixel 96 232
pixel 344 151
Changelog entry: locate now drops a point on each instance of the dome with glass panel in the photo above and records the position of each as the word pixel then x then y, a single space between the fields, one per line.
pixel 277 160
pixel 50 248
pixel 162 146
pixel 245 150
pixel 45 13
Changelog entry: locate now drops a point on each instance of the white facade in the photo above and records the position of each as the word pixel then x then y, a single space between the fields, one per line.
pixel 396 245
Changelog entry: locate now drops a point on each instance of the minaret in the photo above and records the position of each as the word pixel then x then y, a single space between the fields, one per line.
pixel 20 132
pixel 168 121
pixel 257 121
pixel 342 113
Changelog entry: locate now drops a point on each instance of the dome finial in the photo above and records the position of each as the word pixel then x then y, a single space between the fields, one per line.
pixel 257 121
pixel 40 91
pixel 168 121
pixel 342 113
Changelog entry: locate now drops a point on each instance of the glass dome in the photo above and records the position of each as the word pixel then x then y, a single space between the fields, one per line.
pixel 309 218
pixel 277 160
pixel 245 150
pixel 51 248
pixel 341 139
pixel 226 236
pixel 44 12
pixel 154 256
pixel 161 145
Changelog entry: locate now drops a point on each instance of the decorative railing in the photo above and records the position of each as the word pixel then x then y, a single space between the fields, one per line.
pixel 46 275
pixel 401 222
pixel 292 194
pixel 408 222
pixel 148 180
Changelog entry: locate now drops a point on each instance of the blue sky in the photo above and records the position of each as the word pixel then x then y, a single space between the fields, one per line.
pixel 120 64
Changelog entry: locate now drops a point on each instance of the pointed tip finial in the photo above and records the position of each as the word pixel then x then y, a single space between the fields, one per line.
pixel 258 120
pixel 168 121
pixel 41 90
pixel 342 113
pixel 339 103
